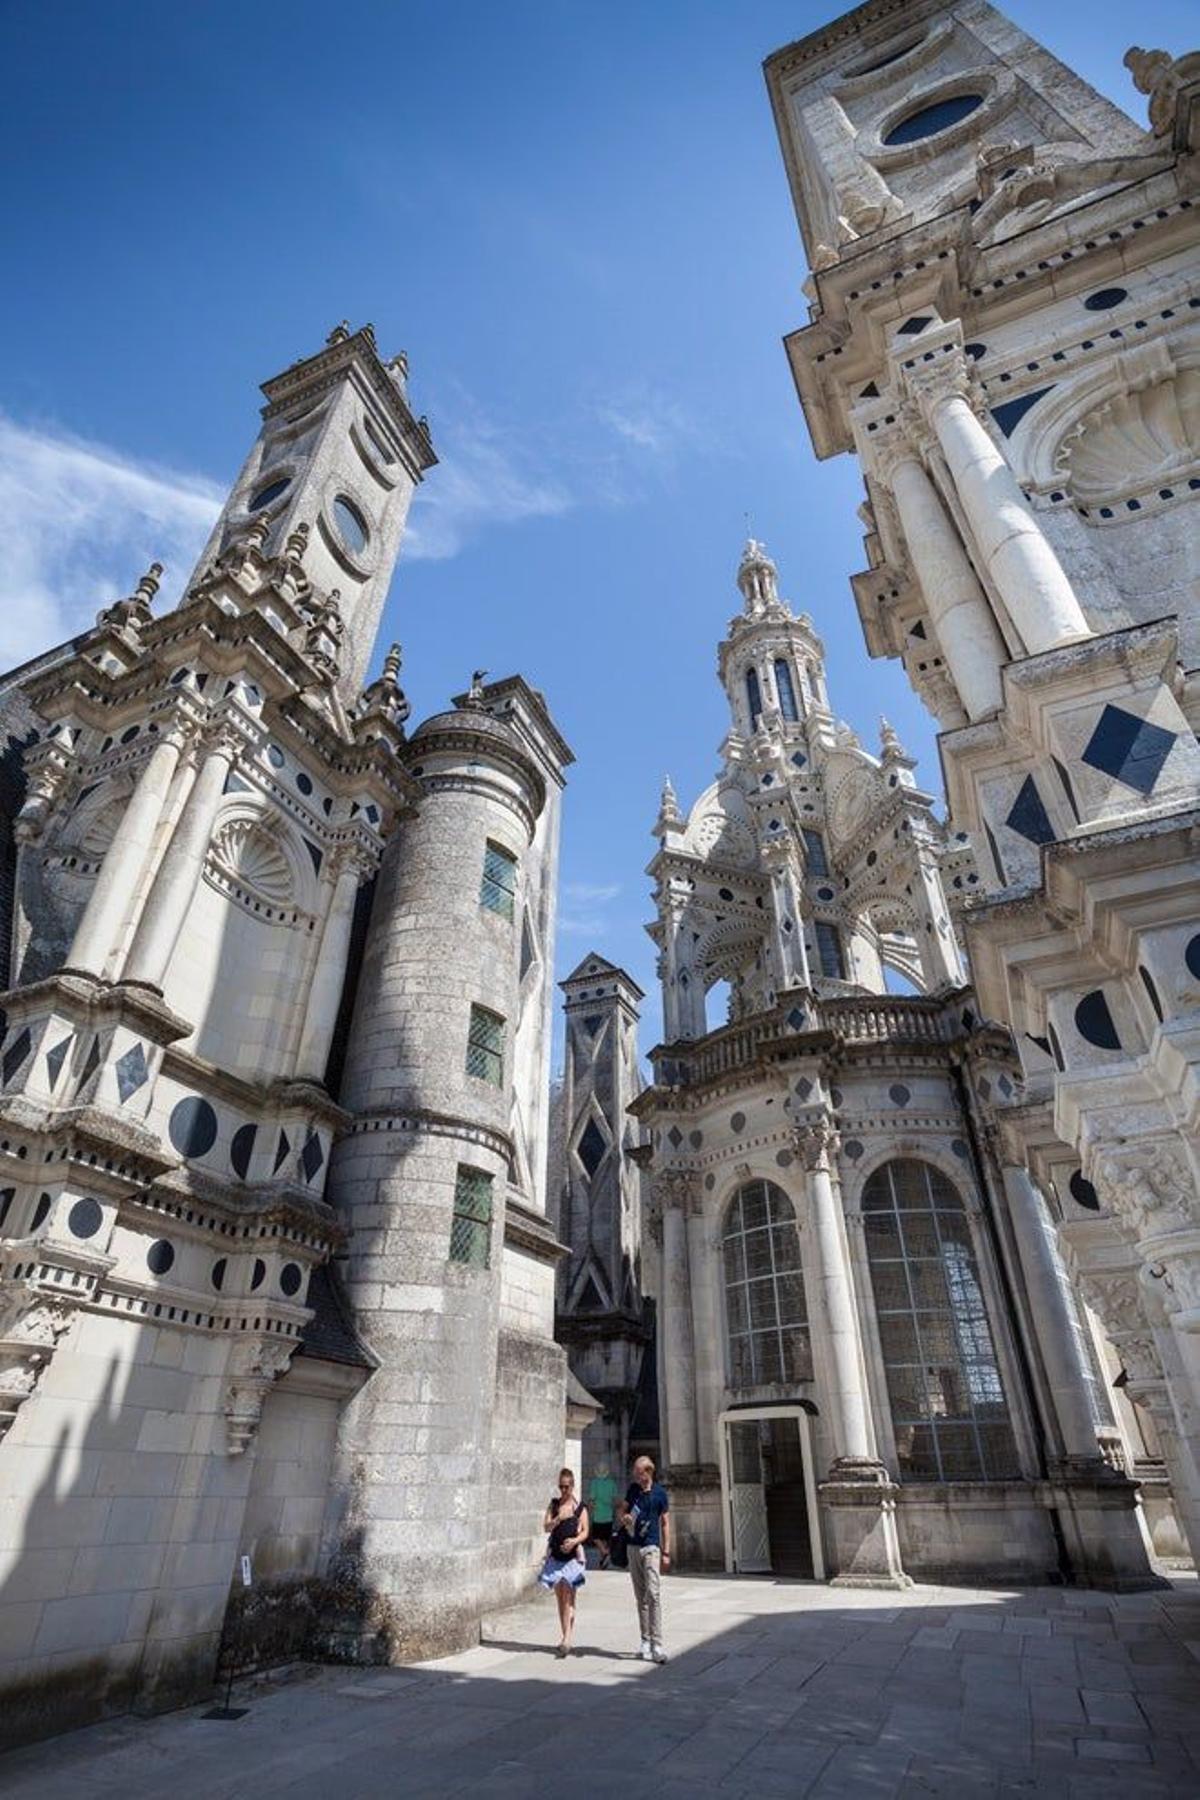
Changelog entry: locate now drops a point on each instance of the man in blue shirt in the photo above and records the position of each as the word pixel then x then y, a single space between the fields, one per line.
pixel 649 1528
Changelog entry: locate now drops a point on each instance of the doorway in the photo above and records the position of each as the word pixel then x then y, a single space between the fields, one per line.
pixel 770 1510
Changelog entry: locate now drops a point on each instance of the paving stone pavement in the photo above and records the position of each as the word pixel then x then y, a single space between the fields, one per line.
pixel 773 1689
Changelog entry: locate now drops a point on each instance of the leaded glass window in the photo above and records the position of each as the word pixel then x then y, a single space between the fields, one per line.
pixel 949 1410
pixel 815 859
pixel 499 890
pixel 754 696
pixel 786 690
pixel 471 1227
pixel 485 1046
pixel 829 950
pixel 765 1311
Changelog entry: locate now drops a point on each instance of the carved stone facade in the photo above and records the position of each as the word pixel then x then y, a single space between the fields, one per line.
pixel 1009 343
pixel 279 995
pixel 871 1364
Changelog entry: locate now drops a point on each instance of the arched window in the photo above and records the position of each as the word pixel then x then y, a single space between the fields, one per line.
pixel 948 1406
pixel 754 696
pixel 786 691
pixel 764 1290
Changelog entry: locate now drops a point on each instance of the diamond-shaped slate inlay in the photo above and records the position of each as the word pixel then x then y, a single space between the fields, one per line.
pixel 674 1137
pixel 56 1057
pixel 1129 749
pixel 312 1155
pixel 281 1150
pixel 15 1055
pixel 591 1147
pixel 1028 817
pixel 797 1018
pixel 131 1072
pixel 592 1024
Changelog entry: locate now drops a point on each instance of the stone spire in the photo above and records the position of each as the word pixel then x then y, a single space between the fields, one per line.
pixel 669 816
pixel 757 577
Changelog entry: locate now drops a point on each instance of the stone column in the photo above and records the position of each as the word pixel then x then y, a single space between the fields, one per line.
pixel 1028 576
pixel 858 1494
pixel 706 1333
pixel 99 930
pixel 329 973
pixel 173 888
pixel 673 1192
pixel 790 955
pixel 966 631
pixel 941 963
pixel 1056 1331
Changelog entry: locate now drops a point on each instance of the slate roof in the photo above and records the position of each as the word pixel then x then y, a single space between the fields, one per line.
pixel 330 1334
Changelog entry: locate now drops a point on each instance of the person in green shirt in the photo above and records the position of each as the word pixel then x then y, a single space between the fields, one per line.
pixel 601 1495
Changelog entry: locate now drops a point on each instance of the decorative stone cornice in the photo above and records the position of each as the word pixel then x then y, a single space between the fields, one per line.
pixel 1146 1184
pixel 532 1232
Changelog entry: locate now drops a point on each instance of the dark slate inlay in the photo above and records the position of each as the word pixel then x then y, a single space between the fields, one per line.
pixel 1129 749
pixel 92 1063
pixel 160 1256
pixel 804 1087
pixel 131 1072
pixel 899 1094
pixel 316 855
pixel 6 1200
pixel 1028 817
pixel 737 1122
pixel 1009 415
pixel 15 1055
pixel 312 1155
pixel 241 1148
pixel 784 1159
pixel 217 1276
pixel 797 1018
pixel 40 1211
pixel 592 1023
pixel 192 1127
pixel 915 326
pixel 83 794
pixel 1191 956
pixel 836 1096
pixel 304 782
pixel 1104 299
pixel 852 1148
pixel 960 1149
pixel 695 1139
pixel 281 1150
pixel 56 1057
pixel 236 784
pixel 275 756
pixel 591 1148
pixel 1082 1192
pixel 259 1275
pixel 1094 1021
pixel 1151 991
pixel 290 1278
pixel 674 1137
pixel 710 1182
pixel 85 1218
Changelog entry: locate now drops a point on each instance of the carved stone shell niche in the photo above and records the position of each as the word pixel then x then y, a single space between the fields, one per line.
pixel 1134 441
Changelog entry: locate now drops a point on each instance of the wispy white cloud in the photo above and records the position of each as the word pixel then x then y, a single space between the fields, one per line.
pixel 485 477
pixel 649 422
pixel 584 904
pixel 81 523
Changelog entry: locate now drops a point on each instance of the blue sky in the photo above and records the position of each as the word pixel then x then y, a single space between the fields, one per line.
pixel 574 219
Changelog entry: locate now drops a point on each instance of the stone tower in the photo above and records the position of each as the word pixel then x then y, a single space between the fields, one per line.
pixel 861 1368
pixel 442 1181
pixel 259 1299
pixel 602 1317
pixel 1003 329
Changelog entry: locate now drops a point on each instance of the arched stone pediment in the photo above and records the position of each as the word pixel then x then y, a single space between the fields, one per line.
pixel 719 830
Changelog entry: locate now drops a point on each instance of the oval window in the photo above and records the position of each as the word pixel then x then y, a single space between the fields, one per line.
pixel 930 119
pixel 266 496
pixel 351 526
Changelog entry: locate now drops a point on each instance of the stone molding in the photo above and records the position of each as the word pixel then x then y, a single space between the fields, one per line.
pixel 254 1368
pixel 525 1229
pixel 433 1124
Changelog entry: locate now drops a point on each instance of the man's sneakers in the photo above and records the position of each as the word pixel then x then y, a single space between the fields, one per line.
pixel 657 1653
pixel 646 1653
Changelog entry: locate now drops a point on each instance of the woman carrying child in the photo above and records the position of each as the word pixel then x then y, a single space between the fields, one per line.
pixel 563 1570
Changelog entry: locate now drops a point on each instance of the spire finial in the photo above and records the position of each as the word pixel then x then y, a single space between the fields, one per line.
pixel 391 665
pixel 669 815
pixel 757 577
pixel 147 587
pixel 340 332
pixel 474 697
